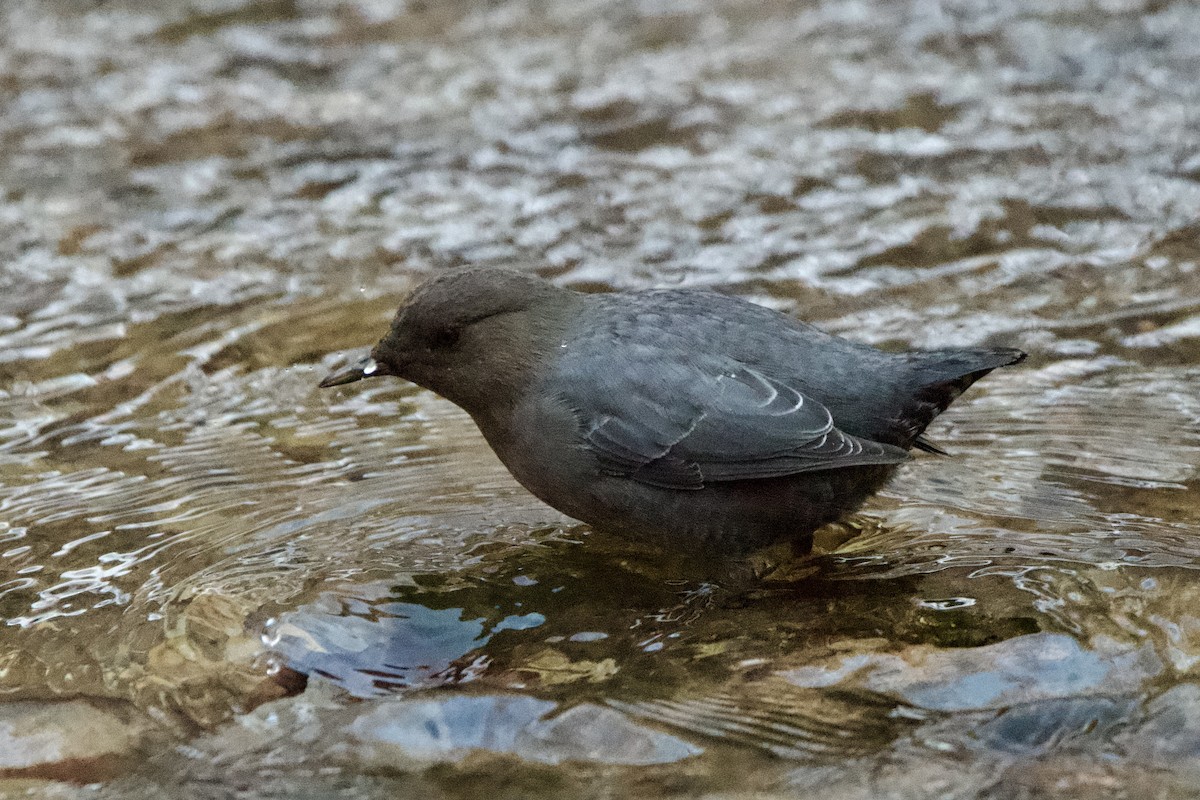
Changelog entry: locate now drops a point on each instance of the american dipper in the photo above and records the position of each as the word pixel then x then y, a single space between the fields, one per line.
pixel 679 417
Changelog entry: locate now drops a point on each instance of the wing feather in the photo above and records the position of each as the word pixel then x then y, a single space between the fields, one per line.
pixel 711 420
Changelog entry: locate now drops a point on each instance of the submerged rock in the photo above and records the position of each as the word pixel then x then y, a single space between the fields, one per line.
pixel 1170 736
pixel 399 733
pixel 1023 669
pixel 75 740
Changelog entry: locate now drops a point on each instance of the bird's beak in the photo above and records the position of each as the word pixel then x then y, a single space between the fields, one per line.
pixel 365 367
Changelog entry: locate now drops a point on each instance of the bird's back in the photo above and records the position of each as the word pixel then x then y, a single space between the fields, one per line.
pixel 873 394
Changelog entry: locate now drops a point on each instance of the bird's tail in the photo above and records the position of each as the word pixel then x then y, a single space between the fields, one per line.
pixel 940 377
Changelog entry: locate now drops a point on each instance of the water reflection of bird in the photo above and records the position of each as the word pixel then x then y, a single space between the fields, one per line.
pixel 682 418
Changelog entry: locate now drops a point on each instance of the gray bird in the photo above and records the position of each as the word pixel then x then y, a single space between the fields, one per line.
pixel 678 417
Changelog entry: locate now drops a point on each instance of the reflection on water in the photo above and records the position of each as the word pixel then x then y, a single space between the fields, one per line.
pixel 205 205
pixel 375 647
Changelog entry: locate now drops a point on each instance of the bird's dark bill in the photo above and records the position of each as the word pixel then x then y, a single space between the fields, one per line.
pixel 363 368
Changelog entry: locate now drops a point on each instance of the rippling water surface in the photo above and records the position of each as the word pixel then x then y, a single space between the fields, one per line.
pixel 275 590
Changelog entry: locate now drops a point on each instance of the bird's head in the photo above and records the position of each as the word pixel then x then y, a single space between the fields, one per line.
pixel 474 335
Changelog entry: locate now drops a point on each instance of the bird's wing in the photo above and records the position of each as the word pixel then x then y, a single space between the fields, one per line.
pixel 711 419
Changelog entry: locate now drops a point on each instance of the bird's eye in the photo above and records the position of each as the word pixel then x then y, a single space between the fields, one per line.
pixel 445 337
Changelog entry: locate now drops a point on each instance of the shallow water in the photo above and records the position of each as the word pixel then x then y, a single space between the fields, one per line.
pixel 275 590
